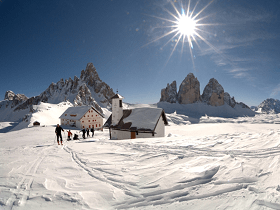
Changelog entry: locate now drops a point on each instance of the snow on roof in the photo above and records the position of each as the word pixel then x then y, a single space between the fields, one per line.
pixel 117 96
pixel 76 113
pixel 144 118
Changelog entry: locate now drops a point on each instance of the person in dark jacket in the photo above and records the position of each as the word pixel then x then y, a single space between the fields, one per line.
pixel 58 130
pixel 84 133
pixel 87 132
pixel 92 130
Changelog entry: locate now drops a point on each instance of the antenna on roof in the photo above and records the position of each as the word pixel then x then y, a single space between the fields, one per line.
pixel 117 91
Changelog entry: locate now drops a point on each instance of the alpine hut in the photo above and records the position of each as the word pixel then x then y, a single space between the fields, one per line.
pixel 82 117
pixel 135 123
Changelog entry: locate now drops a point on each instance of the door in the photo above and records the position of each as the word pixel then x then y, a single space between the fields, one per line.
pixel 133 135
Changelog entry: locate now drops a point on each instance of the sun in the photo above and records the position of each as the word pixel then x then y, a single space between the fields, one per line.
pixel 185 26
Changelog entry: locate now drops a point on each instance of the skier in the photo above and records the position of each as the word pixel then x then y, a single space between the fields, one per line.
pixel 84 133
pixel 87 132
pixel 58 130
pixel 69 135
pixel 92 130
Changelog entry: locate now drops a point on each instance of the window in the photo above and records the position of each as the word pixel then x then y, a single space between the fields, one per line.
pixel 89 121
pixel 65 114
pixel 120 103
pixel 82 121
pixel 92 115
pixel 89 126
pixel 99 125
pixel 96 125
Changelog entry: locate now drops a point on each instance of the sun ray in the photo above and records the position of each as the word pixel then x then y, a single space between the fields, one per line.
pixel 203 9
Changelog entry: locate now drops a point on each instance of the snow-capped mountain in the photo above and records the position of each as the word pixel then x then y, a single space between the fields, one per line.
pixel 89 89
pixel 269 105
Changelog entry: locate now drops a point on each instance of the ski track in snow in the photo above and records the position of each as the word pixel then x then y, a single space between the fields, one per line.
pixel 22 190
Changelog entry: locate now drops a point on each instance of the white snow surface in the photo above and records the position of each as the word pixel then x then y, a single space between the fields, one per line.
pixel 216 163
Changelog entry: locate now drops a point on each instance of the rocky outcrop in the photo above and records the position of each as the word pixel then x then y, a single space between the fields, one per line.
pixel 14 99
pixel 29 102
pixel 9 95
pixel 213 93
pixel 91 78
pixel 84 97
pixel 189 91
pixel 169 94
pixel 228 100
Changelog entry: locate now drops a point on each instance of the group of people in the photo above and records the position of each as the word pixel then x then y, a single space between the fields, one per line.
pixel 86 131
pixel 59 129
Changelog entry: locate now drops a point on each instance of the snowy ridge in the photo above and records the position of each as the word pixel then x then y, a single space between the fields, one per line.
pixel 89 89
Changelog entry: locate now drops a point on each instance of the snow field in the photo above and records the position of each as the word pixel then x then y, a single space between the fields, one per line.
pixel 199 166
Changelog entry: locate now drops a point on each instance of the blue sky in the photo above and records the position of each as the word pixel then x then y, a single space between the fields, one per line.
pixel 44 41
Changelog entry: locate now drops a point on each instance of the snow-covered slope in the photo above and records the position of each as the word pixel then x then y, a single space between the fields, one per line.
pixel 224 163
pixel 197 110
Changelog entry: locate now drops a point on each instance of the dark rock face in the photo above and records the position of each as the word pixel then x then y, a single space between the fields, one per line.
pixel 169 94
pixel 189 91
pixel 228 100
pixel 213 93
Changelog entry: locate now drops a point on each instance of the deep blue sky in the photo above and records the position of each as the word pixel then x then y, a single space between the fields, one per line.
pixel 43 41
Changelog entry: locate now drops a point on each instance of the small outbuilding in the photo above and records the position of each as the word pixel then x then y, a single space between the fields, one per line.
pixel 82 117
pixel 135 123
pixel 36 123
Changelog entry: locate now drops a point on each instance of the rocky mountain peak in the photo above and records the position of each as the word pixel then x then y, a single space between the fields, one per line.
pixel 14 99
pixel 213 93
pixel 90 74
pixel 9 95
pixel 169 94
pixel 189 91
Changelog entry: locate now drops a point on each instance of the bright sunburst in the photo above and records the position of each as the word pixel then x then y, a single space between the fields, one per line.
pixel 184 26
